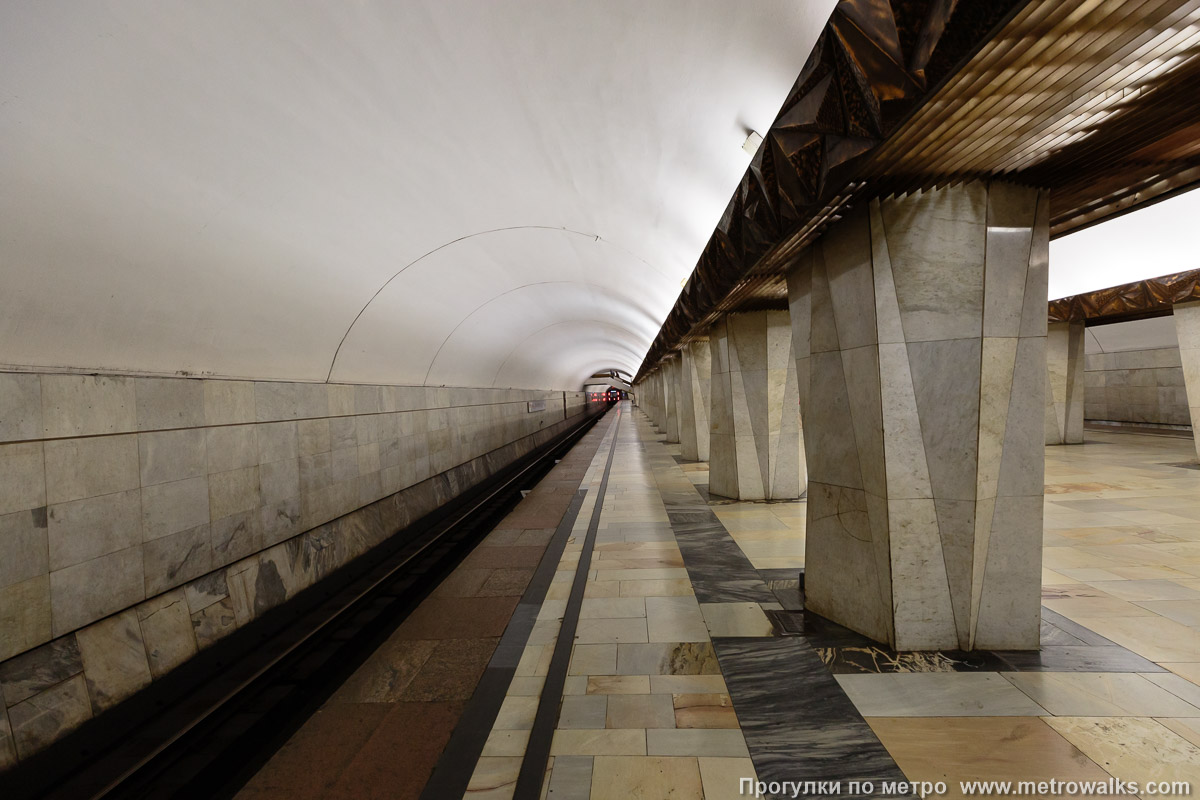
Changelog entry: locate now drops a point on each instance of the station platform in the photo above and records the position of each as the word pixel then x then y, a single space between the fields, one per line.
pixel 623 634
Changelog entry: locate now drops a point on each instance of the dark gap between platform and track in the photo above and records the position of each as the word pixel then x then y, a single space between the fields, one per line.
pixel 206 728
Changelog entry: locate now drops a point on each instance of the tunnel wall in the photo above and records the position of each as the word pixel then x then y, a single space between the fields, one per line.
pixel 143 519
pixel 1136 386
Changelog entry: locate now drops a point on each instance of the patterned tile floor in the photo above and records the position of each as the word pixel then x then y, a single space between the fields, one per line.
pixel 678 684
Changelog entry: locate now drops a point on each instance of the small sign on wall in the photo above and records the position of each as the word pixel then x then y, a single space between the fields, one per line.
pixel 537 405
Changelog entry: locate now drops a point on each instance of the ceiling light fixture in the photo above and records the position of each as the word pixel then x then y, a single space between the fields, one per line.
pixel 752 142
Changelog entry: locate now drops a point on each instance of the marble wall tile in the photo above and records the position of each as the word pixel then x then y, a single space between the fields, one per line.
pixel 1009 238
pixel 233 492
pixel 167 631
pixel 40 720
pixel 164 403
pixel 8 748
pixel 171 560
pixel 231 447
pixel 212 588
pixel 312 437
pixel 924 612
pixel 173 507
pixel 172 455
pixel 24 549
pixel 1009 606
pixel 79 468
pixel 86 592
pixel 85 529
pixel 20 407
pixel 1023 462
pixel 113 658
pixel 214 622
pixel 280 401
pixel 86 405
pixel 848 257
pixel 1033 313
pixel 236 536
pixel 22 477
pixel 228 402
pixel 279 481
pixel 936 243
pixel 905 462
pixel 25 618
pixel 36 671
pixel 277 441
pixel 946 379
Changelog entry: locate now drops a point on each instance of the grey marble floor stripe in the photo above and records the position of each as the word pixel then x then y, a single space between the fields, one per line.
pixel 798 723
pixel 719 570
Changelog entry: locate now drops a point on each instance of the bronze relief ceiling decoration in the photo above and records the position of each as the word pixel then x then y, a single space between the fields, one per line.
pixel 874 63
pixel 1092 99
pixel 1148 298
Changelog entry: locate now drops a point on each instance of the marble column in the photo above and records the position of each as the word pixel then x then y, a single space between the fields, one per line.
pixel 654 396
pixel 920 325
pixel 1187 330
pixel 754 440
pixel 671 373
pixel 1064 383
pixel 694 397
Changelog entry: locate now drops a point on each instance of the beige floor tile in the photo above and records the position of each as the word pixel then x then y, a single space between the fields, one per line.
pixel 1104 606
pixel 585 711
pixel 1176 685
pixel 516 713
pixel 1136 590
pixel 1132 748
pixel 954 749
pixel 599 743
pixel 1191 671
pixel 535 661
pixel 618 684
pixel 696 742
pixel 722 777
pixel 688 684
pixel 1101 694
pixel 527 686
pixel 1156 638
pixel 1187 728
pixel 612 608
pixel 593 659
pixel 656 588
pixel 937 694
pixel 1185 612
pixel 704 711
pixel 614 631
pixel 640 711
pixel 506 743
pixel 617 778
pixel 675 619
pixel 601 589
pixel 494 778
pixel 735 619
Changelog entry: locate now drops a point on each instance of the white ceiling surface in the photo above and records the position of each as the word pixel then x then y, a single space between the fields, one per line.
pixel 1139 334
pixel 1159 239
pixel 221 188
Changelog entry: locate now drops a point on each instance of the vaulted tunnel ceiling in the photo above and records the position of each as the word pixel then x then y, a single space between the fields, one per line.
pixel 442 192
